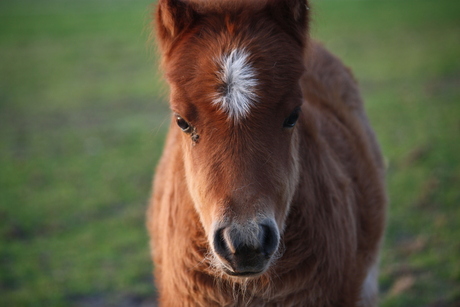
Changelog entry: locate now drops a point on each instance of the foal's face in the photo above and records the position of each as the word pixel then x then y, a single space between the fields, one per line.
pixel 236 101
pixel 240 152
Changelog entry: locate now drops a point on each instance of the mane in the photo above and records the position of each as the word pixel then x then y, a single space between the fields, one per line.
pixel 228 6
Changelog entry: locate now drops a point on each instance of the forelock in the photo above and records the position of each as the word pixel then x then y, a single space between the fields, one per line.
pixel 237 84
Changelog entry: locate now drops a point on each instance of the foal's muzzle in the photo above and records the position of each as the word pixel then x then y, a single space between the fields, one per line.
pixel 246 249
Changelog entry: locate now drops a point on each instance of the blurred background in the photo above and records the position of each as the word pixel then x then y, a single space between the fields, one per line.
pixel 83 117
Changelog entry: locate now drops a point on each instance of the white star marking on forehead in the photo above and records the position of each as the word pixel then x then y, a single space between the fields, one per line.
pixel 238 84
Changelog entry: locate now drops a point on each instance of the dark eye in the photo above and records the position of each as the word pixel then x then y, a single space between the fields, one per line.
pixel 290 121
pixel 182 123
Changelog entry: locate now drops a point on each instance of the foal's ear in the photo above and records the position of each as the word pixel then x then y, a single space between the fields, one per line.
pixel 172 18
pixel 292 16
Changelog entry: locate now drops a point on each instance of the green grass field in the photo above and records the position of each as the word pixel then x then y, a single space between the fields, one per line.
pixel 83 116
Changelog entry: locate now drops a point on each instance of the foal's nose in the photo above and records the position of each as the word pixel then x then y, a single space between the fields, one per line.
pixel 246 249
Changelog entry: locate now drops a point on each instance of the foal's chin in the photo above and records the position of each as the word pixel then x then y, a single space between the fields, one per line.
pixel 259 269
pixel 243 274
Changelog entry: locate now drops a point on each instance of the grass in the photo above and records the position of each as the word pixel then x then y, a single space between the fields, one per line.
pixel 82 123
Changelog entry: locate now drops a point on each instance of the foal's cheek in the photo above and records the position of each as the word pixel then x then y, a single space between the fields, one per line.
pixel 202 198
pixel 291 175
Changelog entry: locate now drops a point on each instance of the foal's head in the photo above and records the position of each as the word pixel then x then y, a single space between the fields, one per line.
pixel 234 69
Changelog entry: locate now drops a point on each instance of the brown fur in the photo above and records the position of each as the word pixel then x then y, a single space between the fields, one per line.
pixel 323 180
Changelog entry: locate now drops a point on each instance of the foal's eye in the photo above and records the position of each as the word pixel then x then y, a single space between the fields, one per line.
pixel 290 121
pixel 183 125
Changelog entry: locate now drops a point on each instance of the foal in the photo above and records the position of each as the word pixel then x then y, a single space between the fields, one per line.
pixel 270 190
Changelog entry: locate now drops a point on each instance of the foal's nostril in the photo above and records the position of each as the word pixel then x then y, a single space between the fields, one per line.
pixel 270 240
pixel 219 243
